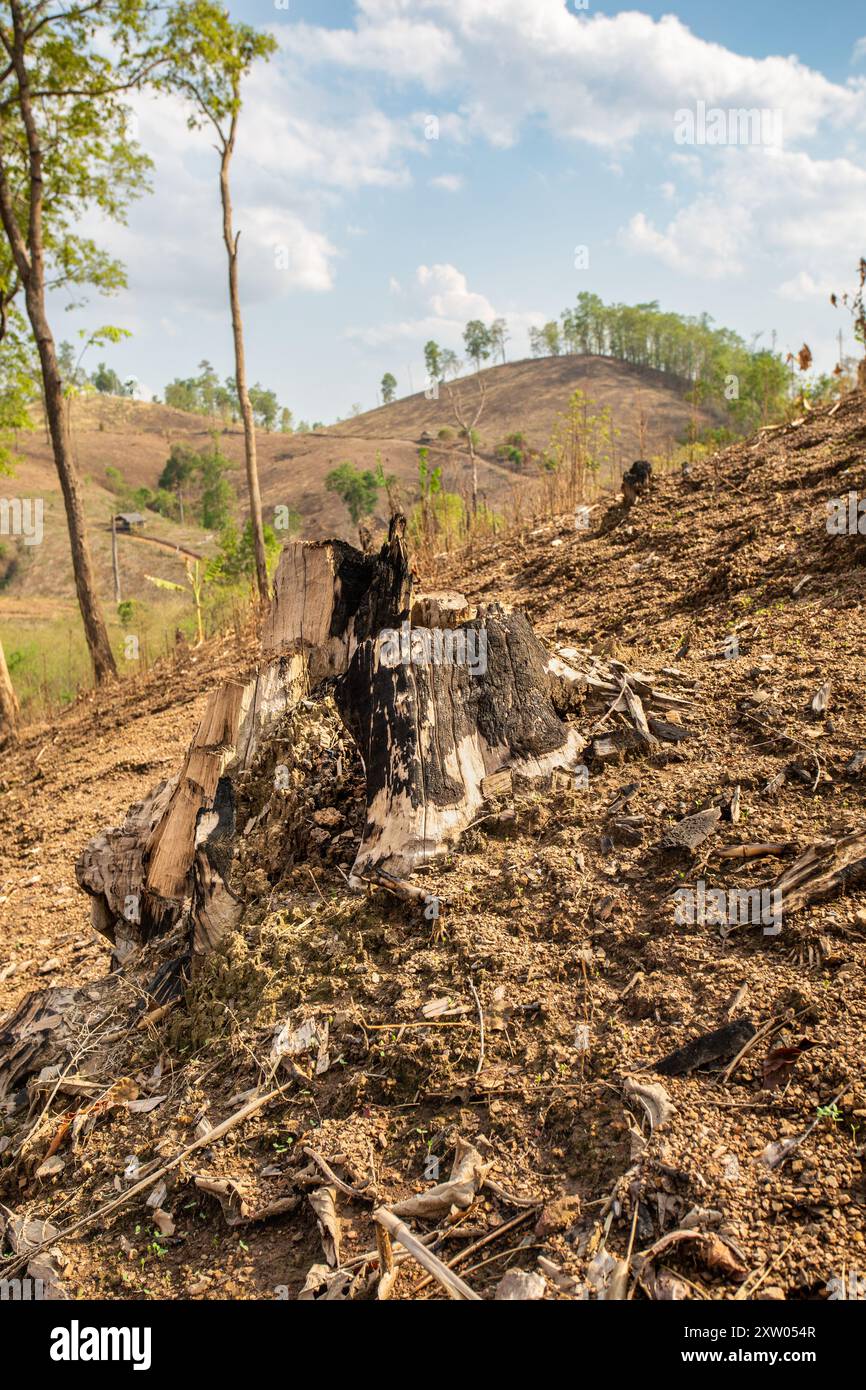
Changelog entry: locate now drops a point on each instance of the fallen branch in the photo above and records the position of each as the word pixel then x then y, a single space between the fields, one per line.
pixel 480 1025
pixel 774 850
pixel 483 1240
pixel 359 1193
pixel 450 1282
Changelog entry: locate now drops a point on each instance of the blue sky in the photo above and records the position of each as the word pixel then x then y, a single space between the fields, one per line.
pixel 362 238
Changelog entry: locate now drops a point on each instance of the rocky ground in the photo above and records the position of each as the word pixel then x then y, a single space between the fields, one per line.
pixel 526 1021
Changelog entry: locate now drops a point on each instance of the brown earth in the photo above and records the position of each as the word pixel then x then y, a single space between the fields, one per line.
pixel 561 931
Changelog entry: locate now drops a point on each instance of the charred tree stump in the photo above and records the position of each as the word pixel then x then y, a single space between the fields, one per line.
pixel 138 875
pixel 435 712
pixel 636 481
pixel 177 843
pixel 440 701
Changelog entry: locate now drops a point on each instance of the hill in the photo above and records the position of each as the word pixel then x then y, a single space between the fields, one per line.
pixel 39 622
pixel 136 437
pixel 736 1172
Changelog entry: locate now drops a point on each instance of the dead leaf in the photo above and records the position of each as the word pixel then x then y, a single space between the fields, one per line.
pixel 777 1151
pixel 519 1285
pixel 663 1286
pixel 711 1250
pixel 654 1099
pixel 164 1222
pixel 718 1256
pixel 324 1204
pixel 326 1285
pixel 779 1064
pixel 461 1189
pixel 236 1208
pixel 292 1042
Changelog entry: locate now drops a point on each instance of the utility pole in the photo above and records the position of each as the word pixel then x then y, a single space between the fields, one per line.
pixel 114 562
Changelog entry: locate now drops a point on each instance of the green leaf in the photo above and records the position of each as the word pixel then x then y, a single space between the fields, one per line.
pixel 166 583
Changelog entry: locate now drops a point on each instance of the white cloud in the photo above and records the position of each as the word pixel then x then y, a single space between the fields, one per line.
pixel 603 79
pixel 783 207
pixel 174 242
pixel 449 295
pixel 607 81
pixel 803 287
pixel 340 111
pixel 697 241
pixel 390 44
pixel 442 305
pixel 449 183
pixel 287 251
pixel 307 142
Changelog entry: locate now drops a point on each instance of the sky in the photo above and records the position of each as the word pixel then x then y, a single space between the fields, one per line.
pixel 406 165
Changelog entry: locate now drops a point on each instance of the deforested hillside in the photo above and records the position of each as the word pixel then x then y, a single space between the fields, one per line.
pixel 135 438
pixel 122 448
pixel 649 408
pixel 606 1044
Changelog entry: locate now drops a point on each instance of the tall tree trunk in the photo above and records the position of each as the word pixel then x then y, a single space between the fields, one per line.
pixel 8 702
pixel 474 459
pixel 88 601
pixel 231 241
pixel 29 256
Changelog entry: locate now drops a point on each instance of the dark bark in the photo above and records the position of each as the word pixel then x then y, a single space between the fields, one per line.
pixel 456 707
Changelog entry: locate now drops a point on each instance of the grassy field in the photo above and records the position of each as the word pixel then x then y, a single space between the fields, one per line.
pixel 47 654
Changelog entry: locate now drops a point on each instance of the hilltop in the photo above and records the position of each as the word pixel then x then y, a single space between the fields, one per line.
pixel 726 588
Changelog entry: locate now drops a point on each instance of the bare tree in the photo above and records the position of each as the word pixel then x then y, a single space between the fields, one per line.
pixel 467 429
pixel 212 56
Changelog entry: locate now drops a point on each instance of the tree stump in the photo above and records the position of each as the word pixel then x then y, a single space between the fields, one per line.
pixel 437 711
pixel 441 701
pixel 328 596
